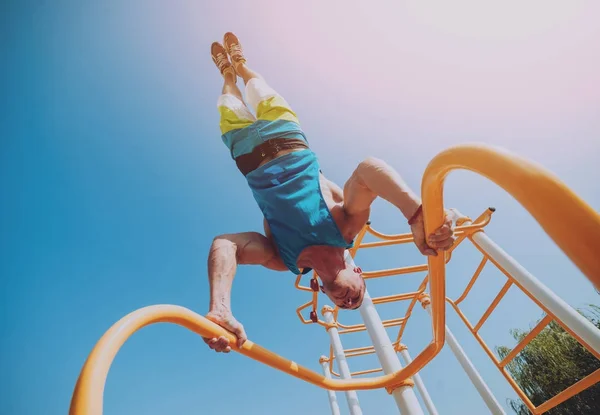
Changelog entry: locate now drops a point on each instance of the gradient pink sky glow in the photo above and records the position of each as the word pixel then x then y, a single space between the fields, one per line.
pixel 462 62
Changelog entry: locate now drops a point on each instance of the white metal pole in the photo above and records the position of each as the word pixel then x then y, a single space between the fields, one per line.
pixel 485 392
pixel 581 326
pixel 405 395
pixel 333 404
pixel 338 351
pixel 419 383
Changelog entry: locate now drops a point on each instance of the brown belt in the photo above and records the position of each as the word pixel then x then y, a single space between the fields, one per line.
pixel 249 162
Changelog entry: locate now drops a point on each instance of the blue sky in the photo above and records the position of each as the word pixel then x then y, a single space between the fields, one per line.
pixel 115 181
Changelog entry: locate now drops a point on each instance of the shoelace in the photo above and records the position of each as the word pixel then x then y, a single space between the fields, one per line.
pixel 221 61
pixel 235 51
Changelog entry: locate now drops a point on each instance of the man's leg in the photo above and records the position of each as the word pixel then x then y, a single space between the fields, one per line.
pixel 234 113
pixel 268 103
pixel 230 85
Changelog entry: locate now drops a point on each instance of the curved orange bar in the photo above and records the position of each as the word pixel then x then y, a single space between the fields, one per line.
pixel 571 223
pixel 89 390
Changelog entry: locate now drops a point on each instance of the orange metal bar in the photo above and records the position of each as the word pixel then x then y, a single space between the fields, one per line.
pixel 363 353
pixel 396 297
pixel 408 313
pixel 394 271
pixel 387 237
pixel 412 268
pixel 360 351
pixel 571 391
pixel 89 390
pixel 361 327
pixel 526 340
pixel 393 322
pixel 494 304
pixel 506 375
pixel 408 269
pixel 365 372
pixel 299 312
pixel 359 238
pixel 382 243
pixel 540 305
pixel 462 316
pixel 355 352
pixel 350 327
pixel 305 321
pixel 331 359
pixel 301 287
pixel 470 285
pixel 410 308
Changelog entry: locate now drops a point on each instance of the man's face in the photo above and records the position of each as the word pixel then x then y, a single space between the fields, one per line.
pixel 348 289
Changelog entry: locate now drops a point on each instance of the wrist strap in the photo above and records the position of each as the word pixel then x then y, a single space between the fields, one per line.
pixel 415 215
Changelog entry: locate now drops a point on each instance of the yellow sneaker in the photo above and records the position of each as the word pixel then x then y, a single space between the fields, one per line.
pixel 234 49
pixel 220 58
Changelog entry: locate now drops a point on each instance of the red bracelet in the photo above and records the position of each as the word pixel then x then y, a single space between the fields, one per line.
pixel 415 215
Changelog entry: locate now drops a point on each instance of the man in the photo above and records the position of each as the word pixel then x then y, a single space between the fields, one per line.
pixel 309 221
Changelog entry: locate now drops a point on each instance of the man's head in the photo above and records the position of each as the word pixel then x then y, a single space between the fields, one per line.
pixel 348 288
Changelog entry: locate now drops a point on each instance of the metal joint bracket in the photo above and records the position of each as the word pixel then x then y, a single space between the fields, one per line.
pixel 424 299
pixel 405 383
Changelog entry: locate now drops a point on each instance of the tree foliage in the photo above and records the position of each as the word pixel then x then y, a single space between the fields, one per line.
pixel 553 361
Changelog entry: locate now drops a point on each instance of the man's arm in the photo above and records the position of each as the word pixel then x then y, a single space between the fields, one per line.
pixel 373 178
pixel 226 253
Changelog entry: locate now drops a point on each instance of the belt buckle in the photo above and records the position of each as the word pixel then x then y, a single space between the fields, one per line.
pixel 263 154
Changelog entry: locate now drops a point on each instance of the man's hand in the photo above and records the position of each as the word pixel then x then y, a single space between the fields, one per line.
pixel 226 320
pixel 442 238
